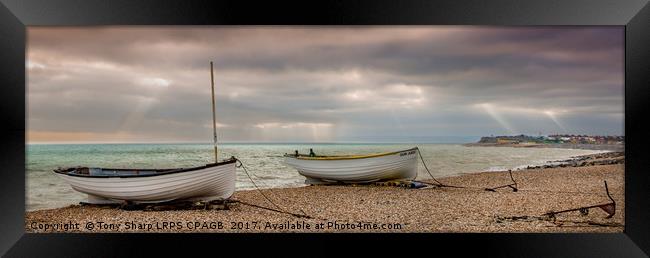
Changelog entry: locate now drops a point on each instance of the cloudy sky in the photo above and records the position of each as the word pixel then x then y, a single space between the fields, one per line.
pixel 321 84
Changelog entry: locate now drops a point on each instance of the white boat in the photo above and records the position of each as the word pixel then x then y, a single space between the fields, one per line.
pixel 355 168
pixel 108 185
pixel 104 185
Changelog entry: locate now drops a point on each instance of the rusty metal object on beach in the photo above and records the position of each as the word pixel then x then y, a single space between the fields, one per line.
pixel 609 208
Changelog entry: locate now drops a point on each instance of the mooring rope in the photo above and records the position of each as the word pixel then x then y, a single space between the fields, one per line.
pixel 440 184
pixel 279 210
pixel 557 192
pixel 241 165
pixel 271 209
pixel 431 175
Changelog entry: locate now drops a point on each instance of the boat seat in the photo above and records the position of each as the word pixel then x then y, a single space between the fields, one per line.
pixel 102 172
pixel 96 171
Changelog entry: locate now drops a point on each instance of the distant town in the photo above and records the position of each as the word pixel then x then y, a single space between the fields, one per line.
pixel 556 138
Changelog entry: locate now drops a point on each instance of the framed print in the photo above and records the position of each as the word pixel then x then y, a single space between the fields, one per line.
pixel 223 123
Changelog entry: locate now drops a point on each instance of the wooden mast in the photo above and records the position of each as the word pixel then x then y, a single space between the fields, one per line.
pixel 214 120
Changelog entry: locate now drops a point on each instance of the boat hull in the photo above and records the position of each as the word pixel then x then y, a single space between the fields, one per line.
pixel 397 165
pixel 205 184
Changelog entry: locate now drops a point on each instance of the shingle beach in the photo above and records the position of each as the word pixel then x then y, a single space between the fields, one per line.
pixel 371 208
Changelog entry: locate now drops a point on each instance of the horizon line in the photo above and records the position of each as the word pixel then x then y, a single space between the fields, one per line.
pixel 247 142
pixel 368 141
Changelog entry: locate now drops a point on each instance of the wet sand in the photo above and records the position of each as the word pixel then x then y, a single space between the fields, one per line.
pixel 370 208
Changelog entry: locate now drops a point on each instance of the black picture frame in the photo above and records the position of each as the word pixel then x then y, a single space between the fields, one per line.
pixel 15 15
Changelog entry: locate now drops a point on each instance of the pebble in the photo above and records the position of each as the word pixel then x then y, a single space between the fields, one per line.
pixel 431 209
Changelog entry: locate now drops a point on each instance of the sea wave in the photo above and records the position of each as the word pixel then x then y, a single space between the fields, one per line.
pixel 264 162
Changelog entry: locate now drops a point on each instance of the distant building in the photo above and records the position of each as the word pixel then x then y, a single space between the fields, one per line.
pixel 502 140
pixel 556 138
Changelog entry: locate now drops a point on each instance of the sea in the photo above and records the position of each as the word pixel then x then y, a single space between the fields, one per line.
pixel 264 161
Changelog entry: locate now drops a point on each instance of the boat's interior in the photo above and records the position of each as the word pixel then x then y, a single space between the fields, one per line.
pixel 112 171
pixel 129 172
pixel 336 157
pixel 340 157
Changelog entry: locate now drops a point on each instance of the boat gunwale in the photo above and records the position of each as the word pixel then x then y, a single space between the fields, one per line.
pixel 347 157
pixel 66 171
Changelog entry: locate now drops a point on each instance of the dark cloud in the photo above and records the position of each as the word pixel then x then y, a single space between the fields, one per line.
pixel 323 83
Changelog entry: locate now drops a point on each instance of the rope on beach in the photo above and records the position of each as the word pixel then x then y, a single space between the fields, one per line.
pixel 271 209
pixel 241 165
pixel 557 192
pixel 439 184
pixel 425 166
pixel 513 186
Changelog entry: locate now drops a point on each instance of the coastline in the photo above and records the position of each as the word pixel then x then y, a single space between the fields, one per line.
pixel 602 147
pixel 430 209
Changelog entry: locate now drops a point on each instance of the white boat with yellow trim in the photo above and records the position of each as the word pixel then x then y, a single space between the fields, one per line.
pixel 355 168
